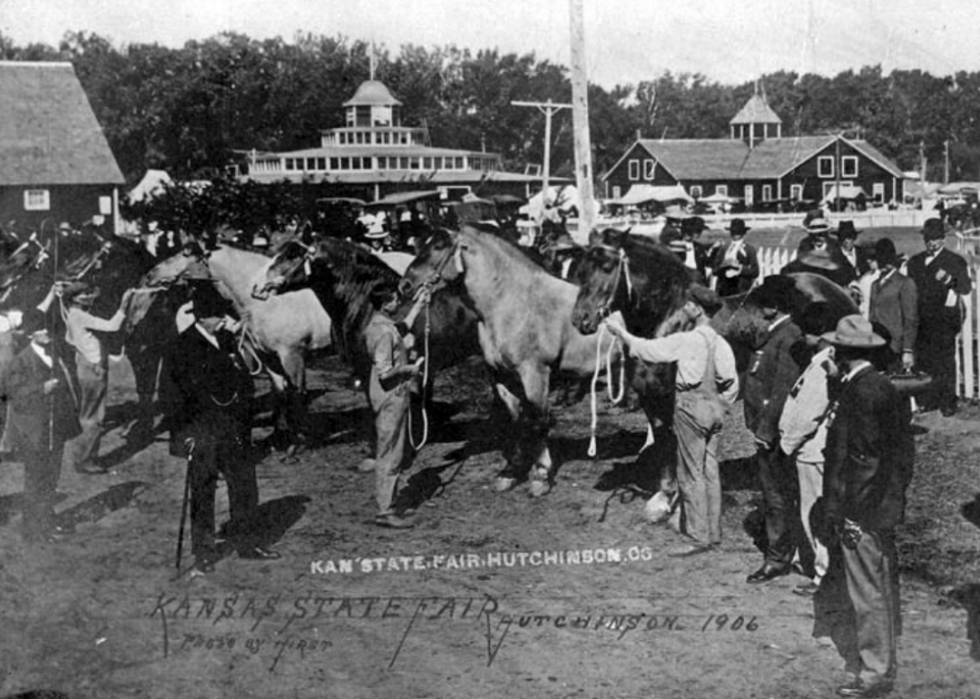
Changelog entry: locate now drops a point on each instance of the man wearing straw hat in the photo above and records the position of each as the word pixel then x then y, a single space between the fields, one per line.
pixel 869 456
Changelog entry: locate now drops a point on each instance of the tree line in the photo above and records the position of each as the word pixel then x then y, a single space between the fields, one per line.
pixel 193 110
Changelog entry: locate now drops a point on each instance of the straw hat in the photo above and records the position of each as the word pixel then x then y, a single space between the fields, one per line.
pixel 854 331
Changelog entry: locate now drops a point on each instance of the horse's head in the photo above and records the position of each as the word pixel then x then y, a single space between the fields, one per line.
pixel 169 270
pixel 437 263
pixel 604 279
pixel 289 269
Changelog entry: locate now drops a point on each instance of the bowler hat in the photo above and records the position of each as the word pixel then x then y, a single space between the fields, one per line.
pixel 854 331
pixel 885 253
pixel 846 229
pixel 704 297
pixel 933 229
pixel 737 227
pixel 34 321
pixel 818 225
pixel 693 225
pixel 776 291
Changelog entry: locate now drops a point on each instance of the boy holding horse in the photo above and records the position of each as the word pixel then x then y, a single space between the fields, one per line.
pixel 390 394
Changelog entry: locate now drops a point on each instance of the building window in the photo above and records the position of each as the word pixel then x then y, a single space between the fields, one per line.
pixel 649 169
pixel 321 163
pixel 460 164
pixel 345 163
pixel 413 163
pixel 767 192
pixel 721 190
pixel 290 164
pixel 878 192
pixel 617 192
pixel 311 163
pixel 37 200
pixel 696 191
pixel 825 166
pixel 796 192
pixel 634 170
pixel 427 163
pixel 849 166
pixel 334 163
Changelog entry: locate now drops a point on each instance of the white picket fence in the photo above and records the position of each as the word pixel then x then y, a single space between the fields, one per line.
pixel 771 260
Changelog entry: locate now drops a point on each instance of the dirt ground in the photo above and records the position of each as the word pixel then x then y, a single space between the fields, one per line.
pixel 491 595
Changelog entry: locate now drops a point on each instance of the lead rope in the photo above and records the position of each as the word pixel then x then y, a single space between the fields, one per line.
pixel 247 341
pixel 610 384
pixel 425 383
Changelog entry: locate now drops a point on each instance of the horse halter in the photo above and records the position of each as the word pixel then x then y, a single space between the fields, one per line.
pixel 622 269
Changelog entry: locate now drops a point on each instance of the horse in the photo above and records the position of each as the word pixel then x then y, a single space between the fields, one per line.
pixel 525 332
pixel 342 275
pixel 282 329
pixel 647 283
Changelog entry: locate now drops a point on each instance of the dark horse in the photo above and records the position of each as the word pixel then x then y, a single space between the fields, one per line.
pixel 525 332
pixel 647 283
pixel 342 275
pixel 112 265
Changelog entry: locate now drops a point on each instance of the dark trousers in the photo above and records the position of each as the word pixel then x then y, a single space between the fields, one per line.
pixel 935 354
pixel 780 501
pixel 217 452
pixel 42 469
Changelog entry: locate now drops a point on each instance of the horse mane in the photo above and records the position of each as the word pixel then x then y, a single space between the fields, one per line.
pixel 652 262
pixel 354 273
pixel 521 256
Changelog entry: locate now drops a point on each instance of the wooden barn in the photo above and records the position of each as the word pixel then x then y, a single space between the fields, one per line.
pixel 55 163
pixel 760 167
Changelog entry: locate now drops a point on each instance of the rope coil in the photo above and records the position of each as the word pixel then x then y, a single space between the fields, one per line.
pixel 610 385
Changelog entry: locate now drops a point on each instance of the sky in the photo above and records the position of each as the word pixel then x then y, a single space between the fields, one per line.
pixel 627 41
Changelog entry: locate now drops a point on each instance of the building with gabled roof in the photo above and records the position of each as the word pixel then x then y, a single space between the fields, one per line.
pixel 55 163
pixel 758 165
pixel 374 155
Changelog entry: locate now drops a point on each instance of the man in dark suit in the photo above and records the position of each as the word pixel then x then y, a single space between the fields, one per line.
pixel 941 278
pixel 774 369
pixel 894 307
pixel 211 423
pixel 42 416
pixel 851 259
pixel 869 456
pixel 735 264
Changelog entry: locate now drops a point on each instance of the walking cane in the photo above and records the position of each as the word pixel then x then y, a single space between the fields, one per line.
pixel 189 442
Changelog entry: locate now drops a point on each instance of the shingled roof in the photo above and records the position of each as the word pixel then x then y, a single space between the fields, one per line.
pixel 721 159
pixel 48 132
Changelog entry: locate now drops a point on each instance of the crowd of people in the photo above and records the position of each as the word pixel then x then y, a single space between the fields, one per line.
pixel 833 444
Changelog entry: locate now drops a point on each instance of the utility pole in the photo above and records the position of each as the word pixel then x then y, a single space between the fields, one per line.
pixel 837 173
pixel 946 164
pixel 580 120
pixel 549 109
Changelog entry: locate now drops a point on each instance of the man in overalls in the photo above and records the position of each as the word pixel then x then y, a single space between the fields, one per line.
pixel 706 381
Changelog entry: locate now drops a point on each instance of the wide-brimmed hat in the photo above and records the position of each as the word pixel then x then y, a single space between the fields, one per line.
pixel 818 226
pixel 737 227
pixel 846 229
pixel 884 252
pixel 709 300
pixel 195 272
pixel 376 234
pixel 933 229
pixel 854 331
pixel 76 289
pixel 819 259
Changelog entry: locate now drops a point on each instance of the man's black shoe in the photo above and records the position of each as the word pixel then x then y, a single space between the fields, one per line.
pixel 766 573
pixel 257 553
pixel 862 689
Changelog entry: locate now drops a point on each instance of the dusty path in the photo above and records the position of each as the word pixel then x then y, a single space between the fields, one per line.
pixel 490 596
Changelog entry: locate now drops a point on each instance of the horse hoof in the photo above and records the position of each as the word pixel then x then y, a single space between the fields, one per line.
pixel 657 509
pixel 504 484
pixel 540 488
